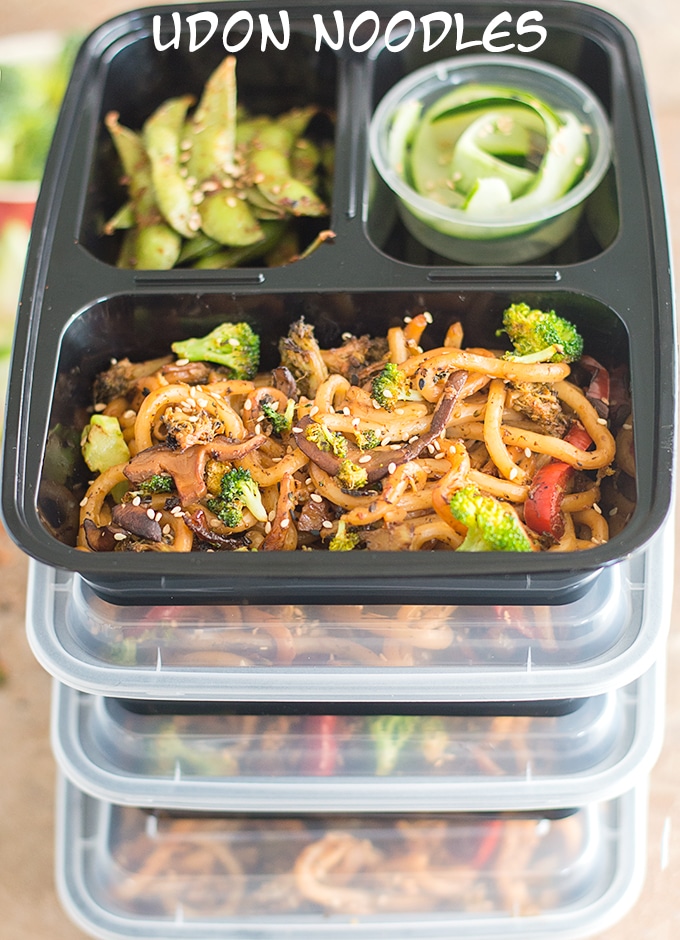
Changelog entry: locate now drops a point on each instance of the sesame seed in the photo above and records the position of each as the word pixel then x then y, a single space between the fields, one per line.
pixel 439 456
pixel 375 404
pixel 430 448
pixel 346 411
pixel 271 515
pixel 316 498
pixel 385 441
pixel 365 458
pixel 202 402
pixel 158 516
pixel 602 421
pixel 326 524
pixel 387 393
pixel 428 316
pixel 413 438
pixel 83 501
pixel 167 529
pixel 346 336
pixel 395 446
pixel 233 341
pixel 627 427
pixel 513 473
pixel 119 536
pixel 391 467
pixel 308 481
pixel 181 362
pixel 258 428
pixel 151 513
pixel 314 410
pixel 355 422
pixel 613 511
pixel 247 405
pixel 408 319
pixel 285 523
pixel 527 452
pixel 267 527
pixel 297 430
pixel 100 406
pixel 136 501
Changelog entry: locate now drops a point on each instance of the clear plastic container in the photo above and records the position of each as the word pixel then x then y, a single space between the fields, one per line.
pixel 359 653
pixel 127 872
pixel 528 225
pixel 197 757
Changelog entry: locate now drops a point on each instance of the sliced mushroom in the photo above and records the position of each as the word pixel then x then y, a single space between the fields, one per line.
pixel 102 538
pixel 138 520
pixel 282 378
pixel 197 521
pixel 187 467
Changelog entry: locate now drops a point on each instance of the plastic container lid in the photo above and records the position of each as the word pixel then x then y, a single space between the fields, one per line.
pixel 125 872
pixel 327 654
pixel 205 757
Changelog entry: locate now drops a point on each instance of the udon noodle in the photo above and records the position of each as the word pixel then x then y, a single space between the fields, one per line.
pixel 474 417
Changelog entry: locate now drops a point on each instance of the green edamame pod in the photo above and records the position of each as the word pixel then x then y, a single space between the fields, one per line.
pixel 162 134
pixel 156 248
pixel 273 178
pixel 228 219
pixel 211 131
pixel 305 159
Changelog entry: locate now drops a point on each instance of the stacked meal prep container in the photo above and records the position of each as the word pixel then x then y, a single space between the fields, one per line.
pixel 216 783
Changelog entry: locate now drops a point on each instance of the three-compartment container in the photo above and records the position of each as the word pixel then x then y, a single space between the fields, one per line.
pixel 191 689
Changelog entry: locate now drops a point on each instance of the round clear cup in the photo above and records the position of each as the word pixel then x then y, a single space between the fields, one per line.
pixel 508 236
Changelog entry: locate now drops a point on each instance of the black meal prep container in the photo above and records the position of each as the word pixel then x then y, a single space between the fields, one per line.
pixel 78 310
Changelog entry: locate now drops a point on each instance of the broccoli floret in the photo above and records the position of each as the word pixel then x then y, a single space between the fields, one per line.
pixel 102 443
pixel 343 541
pixel 237 490
pixel 333 441
pixel 366 440
pixel 541 336
pixel 158 483
pixel 492 526
pixel 281 422
pixel 390 733
pixel 233 345
pixel 391 386
pixel 351 476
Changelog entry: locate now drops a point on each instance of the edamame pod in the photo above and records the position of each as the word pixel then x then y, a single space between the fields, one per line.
pixel 162 134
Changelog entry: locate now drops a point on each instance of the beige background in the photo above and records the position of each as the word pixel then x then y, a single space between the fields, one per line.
pixel 28 906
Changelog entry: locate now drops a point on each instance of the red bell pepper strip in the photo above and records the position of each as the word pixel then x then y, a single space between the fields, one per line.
pixel 488 843
pixel 321 748
pixel 542 509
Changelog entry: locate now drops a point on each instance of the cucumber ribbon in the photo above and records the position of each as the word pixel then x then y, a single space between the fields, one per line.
pixel 491 152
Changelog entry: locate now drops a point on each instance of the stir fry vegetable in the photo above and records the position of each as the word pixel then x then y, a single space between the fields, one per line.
pixel 211 186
